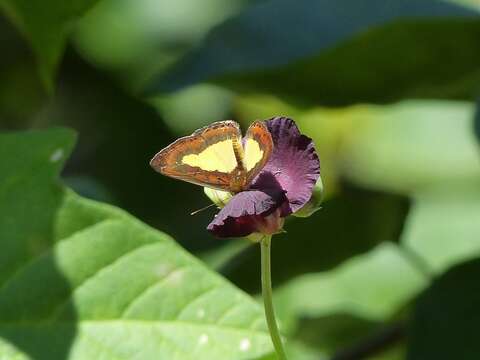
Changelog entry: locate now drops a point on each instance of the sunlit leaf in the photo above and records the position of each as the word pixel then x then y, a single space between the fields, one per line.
pixel 410 146
pixel 472 3
pixel 443 226
pixel 84 280
pixel 476 123
pixel 366 286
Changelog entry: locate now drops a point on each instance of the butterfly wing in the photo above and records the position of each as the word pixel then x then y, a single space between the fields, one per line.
pixel 206 158
pixel 258 146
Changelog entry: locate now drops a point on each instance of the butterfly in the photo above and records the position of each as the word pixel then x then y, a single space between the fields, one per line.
pixel 216 156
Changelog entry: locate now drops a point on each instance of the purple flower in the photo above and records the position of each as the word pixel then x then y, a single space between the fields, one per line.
pixel 283 186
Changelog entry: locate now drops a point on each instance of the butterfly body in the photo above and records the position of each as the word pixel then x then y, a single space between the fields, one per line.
pixel 216 156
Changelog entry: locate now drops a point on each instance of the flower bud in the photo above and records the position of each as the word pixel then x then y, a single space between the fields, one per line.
pixel 218 197
pixel 267 225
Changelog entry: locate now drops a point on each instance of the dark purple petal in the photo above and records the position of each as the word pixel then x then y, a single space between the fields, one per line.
pixel 293 166
pixel 245 213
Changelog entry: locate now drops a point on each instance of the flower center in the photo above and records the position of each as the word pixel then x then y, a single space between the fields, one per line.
pixel 270 224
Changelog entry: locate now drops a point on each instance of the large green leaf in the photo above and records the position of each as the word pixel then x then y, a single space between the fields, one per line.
pixel 338 52
pixel 410 146
pixel 476 125
pixel 82 280
pixel 365 286
pixel 445 322
pixel 443 226
pixel 46 24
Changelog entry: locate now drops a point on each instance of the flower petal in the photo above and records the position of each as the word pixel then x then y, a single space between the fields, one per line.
pixel 245 213
pixel 294 164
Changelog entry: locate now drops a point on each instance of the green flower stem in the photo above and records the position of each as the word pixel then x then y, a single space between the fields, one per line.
pixel 267 298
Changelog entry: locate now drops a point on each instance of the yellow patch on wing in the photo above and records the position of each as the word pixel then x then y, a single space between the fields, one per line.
pixel 216 157
pixel 253 154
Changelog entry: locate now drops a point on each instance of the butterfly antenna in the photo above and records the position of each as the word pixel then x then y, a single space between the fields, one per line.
pixel 199 210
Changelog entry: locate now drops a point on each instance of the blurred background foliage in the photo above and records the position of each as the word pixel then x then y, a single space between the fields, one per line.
pixel 386 88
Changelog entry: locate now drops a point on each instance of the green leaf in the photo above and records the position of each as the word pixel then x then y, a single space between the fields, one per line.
pixel 443 225
pixel 83 280
pixel 445 322
pixel 339 52
pixel 46 24
pixel 365 286
pixel 472 3
pixel 476 123
pixel 378 153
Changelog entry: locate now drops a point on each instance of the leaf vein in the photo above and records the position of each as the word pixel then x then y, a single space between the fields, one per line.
pixel 144 293
pixel 57 310
pixel 196 298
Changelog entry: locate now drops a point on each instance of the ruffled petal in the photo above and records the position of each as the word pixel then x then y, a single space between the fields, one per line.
pixel 247 212
pixel 294 164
